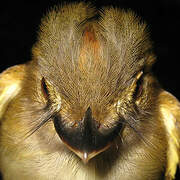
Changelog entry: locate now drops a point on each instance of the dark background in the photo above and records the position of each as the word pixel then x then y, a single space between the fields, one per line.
pixel 19 25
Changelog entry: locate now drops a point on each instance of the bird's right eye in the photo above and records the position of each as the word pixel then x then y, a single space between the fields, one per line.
pixel 44 88
pixel 139 86
pixel 139 89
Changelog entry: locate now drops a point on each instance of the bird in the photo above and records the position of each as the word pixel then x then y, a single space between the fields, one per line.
pixel 87 106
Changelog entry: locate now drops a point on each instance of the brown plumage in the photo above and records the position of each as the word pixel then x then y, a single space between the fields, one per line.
pixel 88 94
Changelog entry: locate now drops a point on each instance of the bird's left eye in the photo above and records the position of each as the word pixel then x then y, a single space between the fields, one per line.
pixel 44 88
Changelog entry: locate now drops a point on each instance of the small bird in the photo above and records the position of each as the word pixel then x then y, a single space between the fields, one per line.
pixel 87 106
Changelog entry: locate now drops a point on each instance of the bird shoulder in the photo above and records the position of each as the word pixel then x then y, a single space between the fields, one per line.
pixel 170 110
pixel 10 85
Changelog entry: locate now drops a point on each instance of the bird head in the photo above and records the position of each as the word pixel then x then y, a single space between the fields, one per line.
pixel 92 74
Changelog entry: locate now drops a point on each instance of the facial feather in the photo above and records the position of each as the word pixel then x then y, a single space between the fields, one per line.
pixel 92 61
pixel 121 50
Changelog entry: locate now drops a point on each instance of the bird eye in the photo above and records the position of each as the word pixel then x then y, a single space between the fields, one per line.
pixel 139 87
pixel 44 88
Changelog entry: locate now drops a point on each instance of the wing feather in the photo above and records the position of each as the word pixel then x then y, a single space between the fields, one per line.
pixel 170 110
pixel 10 85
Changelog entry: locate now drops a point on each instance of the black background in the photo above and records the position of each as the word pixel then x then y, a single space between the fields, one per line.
pixel 19 21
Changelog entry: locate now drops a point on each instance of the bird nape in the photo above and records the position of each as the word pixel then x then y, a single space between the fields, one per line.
pixel 87 106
